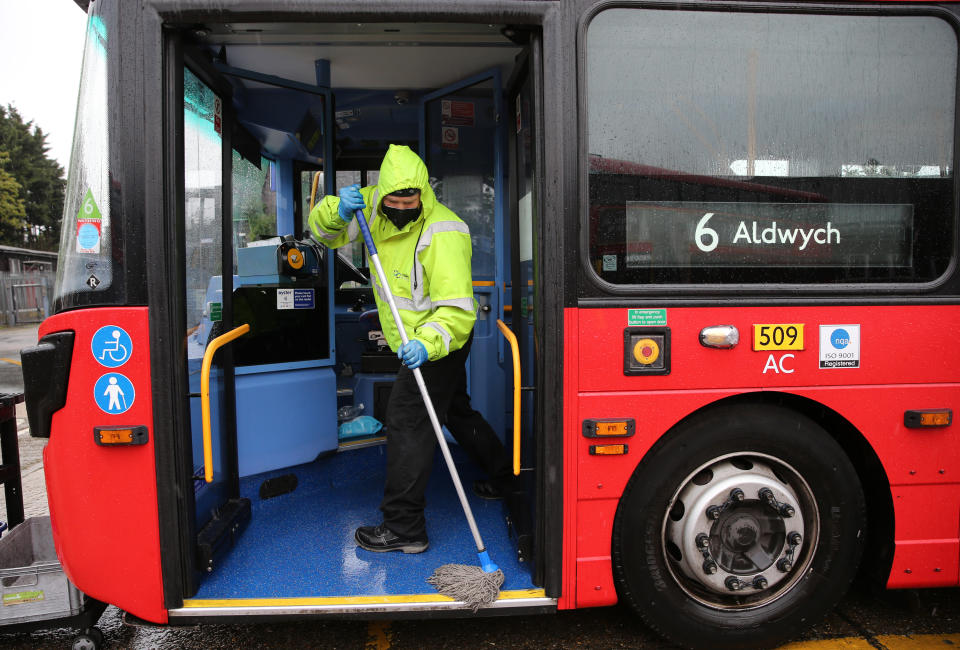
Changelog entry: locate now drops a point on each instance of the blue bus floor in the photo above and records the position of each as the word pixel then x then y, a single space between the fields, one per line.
pixel 301 544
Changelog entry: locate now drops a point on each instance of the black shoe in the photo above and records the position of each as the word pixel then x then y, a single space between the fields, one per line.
pixel 487 490
pixel 381 539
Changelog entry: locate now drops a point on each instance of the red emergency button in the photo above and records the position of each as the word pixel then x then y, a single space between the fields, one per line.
pixel 646 351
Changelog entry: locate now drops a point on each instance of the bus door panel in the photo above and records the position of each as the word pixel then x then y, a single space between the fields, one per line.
pixel 461 141
pixel 207 180
pixel 99 463
pixel 519 311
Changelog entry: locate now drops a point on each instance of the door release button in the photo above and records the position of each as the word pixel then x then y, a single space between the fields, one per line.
pixel 719 336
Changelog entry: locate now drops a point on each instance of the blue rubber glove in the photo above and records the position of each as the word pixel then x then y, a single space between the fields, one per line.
pixel 413 354
pixel 350 201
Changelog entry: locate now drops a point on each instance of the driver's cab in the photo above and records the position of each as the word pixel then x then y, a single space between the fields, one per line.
pixel 287 417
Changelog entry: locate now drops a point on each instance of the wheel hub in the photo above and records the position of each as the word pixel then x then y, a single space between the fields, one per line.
pixel 736 529
pixel 739 532
pixel 745 539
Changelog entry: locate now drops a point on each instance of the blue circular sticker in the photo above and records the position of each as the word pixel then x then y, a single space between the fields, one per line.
pixel 114 393
pixel 111 346
pixel 840 338
pixel 88 236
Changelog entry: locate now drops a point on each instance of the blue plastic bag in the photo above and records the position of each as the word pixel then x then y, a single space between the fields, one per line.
pixel 364 425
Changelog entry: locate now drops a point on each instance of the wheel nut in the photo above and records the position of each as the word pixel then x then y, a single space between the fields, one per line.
pixel 733 583
pixel 703 541
pixel 713 512
pixel 759 582
pixel 786 510
pixel 794 539
pixel 766 494
pixel 785 565
pixel 737 494
pixel 709 567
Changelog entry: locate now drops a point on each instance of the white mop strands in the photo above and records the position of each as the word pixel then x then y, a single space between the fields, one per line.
pixel 467 583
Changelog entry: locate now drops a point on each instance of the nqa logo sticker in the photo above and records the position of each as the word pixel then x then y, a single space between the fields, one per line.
pixel 839 346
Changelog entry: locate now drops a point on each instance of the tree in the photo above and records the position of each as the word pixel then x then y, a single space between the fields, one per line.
pixel 40 184
pixel 12 211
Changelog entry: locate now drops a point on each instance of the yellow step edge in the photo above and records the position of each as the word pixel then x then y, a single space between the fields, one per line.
pixel 347 600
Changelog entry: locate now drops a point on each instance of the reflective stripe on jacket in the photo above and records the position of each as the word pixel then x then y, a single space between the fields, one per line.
pixel 427 263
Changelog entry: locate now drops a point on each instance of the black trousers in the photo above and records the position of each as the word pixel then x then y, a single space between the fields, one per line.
pixel 411 441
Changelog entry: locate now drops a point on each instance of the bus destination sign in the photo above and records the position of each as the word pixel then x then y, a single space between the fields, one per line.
pixel 688 233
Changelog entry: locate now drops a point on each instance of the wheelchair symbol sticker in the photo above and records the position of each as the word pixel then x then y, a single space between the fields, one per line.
pixel 114 393
pixel 111 346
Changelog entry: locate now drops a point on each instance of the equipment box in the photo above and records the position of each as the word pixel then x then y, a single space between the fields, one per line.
pixel 32 582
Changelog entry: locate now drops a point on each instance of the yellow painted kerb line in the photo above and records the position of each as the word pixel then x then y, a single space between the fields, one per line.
pixel 889 641
pixel 346 600
pixel 13 361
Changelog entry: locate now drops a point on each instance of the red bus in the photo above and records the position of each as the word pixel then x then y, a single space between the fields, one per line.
pixel 722 234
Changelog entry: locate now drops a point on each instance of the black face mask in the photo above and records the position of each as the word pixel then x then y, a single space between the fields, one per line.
pixel 401 218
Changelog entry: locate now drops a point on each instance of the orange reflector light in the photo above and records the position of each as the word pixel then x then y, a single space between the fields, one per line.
pixel 608 450
pixel 927 418
pixel 118 437
pixel 602 428
pixel 110 436
pixel 612 429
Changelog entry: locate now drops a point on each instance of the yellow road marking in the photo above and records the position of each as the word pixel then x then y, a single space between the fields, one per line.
pixel 853 643
pixel 13 361
pixel 379 635
pixel 911 641
pixel 888 641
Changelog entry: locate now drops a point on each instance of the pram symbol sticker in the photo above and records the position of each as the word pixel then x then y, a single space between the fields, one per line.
pixel 114 393
pixel 111 346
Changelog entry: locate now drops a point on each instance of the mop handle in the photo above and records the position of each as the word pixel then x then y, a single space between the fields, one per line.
pixel 372 249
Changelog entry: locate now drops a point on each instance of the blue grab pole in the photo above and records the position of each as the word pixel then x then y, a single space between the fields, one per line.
pixel 485 562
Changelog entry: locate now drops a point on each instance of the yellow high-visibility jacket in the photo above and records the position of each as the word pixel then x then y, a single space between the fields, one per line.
pixel 427 263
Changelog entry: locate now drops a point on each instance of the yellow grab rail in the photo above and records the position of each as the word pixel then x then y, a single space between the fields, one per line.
pixel 313 188
pixel 214 345
pixel 515 349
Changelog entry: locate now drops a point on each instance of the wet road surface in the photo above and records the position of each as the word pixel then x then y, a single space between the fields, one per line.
pixel 890 620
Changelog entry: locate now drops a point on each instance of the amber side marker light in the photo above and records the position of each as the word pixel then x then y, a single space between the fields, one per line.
pixel 604 428
pixel 116 436
pixel 608 450
pixel 927 418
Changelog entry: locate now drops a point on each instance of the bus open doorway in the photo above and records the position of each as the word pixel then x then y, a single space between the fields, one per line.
pixel 274 529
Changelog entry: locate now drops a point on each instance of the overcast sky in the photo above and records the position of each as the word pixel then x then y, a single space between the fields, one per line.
pixel 41 47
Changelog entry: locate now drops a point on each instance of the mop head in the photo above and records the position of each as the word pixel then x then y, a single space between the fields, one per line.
pixel 467 583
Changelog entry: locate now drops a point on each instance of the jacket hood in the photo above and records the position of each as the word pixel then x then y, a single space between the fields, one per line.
pixel 402 168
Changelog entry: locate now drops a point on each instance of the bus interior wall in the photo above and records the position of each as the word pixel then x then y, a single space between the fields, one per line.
pixel 309 473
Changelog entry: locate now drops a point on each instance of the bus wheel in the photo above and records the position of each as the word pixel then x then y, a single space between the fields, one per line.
pixel 739 528
pixel 88 639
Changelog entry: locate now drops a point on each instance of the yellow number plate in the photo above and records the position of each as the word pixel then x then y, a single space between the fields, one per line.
pixel 782 336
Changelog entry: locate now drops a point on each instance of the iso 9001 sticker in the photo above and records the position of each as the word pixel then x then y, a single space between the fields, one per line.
pixel 839 346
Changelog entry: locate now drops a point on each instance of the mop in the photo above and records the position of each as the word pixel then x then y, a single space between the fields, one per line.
pixel 474 585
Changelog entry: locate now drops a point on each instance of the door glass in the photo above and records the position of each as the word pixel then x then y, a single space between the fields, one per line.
pixel 203 213
pixel 461 138
pixel 203 191
pixel 254 202
pixel 353 251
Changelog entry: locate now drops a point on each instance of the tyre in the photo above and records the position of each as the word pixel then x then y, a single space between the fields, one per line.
pixel 89 639
pixel 740 528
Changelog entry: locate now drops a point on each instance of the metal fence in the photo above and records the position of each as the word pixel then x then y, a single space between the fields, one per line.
pixel 25 297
